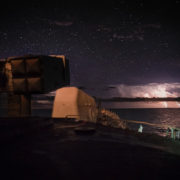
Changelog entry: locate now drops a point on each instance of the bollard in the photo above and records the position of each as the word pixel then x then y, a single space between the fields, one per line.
pixel 172 133
pixel 177 133
pixel 140 129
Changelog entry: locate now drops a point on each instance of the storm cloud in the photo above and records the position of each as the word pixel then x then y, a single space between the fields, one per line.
pixel 148 90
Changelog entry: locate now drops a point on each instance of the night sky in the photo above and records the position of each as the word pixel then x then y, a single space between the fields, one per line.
pixel 118 48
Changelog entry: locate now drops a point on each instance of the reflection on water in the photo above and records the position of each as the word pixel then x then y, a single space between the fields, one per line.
pixel 141 104
pixel 164 116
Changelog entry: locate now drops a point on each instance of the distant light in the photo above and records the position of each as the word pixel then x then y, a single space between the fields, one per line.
pixel 165 104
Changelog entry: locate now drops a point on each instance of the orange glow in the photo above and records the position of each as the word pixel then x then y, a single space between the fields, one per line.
pixel 160 104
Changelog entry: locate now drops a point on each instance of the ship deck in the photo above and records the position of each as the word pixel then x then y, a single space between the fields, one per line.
pixel 64 149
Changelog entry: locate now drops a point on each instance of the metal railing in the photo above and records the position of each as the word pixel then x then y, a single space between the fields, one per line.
pixel 72 116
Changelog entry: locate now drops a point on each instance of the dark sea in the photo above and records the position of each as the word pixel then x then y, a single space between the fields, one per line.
pixel 160 116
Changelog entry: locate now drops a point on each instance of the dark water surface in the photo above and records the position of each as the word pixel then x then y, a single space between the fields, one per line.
pixel 162 116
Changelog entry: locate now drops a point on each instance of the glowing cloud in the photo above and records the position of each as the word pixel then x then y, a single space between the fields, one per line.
pixel 148 90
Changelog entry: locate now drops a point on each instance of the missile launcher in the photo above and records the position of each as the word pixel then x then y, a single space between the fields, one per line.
pixel 21 77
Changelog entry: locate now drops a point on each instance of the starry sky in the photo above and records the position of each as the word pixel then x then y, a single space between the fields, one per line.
pixel 116 48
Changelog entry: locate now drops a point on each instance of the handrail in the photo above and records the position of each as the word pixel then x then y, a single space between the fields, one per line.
pixel 71 115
